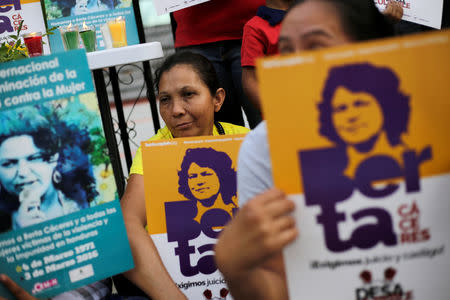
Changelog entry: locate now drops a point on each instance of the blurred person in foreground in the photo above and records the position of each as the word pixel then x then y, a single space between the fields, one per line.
pixel 249 250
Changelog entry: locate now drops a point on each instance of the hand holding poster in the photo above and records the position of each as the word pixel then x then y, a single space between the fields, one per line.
pixel 190 190
pixel 428 13
pixel 60 218
pixel 368 165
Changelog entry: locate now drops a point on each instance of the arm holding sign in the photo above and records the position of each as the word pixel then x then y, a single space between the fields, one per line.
pixel 15 289
pixel 249 250
pixel 149 273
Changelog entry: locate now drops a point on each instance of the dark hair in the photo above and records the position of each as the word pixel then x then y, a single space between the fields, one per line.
pixel 200 64
pixel 28 121
pixel 361 19
pixel 220 162
pixel 382 83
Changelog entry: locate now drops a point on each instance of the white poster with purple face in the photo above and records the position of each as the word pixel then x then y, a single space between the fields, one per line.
pixel 424 12
pixel 365 157
pixel 190 193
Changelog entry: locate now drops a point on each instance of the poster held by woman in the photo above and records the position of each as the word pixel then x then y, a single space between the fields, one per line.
pixel 189 198
pixel 59 207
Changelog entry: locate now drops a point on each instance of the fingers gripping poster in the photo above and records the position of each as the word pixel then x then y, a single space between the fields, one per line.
pixel 428 13
pixel 367 163
pixel 190 190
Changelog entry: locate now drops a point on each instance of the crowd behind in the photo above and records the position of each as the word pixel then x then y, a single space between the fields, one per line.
pixel 202 90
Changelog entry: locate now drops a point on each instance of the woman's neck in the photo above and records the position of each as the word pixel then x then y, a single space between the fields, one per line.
pixel 210 201
pixel 379 146
pixel 50 200
pixel 216 204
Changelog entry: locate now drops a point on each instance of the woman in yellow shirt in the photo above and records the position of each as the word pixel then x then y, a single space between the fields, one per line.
pixel 189 95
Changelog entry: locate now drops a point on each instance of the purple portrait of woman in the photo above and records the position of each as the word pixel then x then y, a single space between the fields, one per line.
pixel 361 105
pixel 365 115
pixel 207 180
pixel 207 174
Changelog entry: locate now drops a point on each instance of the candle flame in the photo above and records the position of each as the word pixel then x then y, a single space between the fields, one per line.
pixel 32 34
pixel 119 18
pixel 84 26
pixel 70 26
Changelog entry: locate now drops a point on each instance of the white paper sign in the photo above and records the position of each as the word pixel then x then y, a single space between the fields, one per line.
pixel 424 12
pixel 168 6
pixel 19 10
pixel 385 272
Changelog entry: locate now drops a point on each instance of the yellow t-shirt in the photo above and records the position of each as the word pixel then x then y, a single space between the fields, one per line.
pixel 165 134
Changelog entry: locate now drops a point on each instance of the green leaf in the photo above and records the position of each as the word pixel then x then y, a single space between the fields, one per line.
pixel 50 31
pixel 20 27
pixel 15 37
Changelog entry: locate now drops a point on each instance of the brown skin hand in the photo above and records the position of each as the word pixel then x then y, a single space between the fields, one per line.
pixel 18 292
pixel 394 11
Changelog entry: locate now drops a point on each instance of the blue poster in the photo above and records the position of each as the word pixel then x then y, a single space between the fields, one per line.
pixel 64 13
pixel 60 219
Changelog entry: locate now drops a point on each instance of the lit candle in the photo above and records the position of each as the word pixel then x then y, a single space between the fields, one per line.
pixel 88 38
pixel 106 36
pixel 33 42
pixel 118 32
pixel 70 37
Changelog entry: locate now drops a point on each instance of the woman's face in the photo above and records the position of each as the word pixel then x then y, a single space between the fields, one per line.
pixel 311 25
pixel 357 117
pixel 186 104
pixel 22 166
pixel 203 182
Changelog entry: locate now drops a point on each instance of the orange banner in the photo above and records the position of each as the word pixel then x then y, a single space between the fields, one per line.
pixel 415 69
pixel 359 139
pixel 197 168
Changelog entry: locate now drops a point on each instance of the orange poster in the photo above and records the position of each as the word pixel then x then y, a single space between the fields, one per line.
pixel 190 191
pixel 366 158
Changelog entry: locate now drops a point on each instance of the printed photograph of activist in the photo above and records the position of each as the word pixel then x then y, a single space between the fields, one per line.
pixel 207 176
pixel 365 115
pixel 64 8
pixel 50 163
pixel 364 111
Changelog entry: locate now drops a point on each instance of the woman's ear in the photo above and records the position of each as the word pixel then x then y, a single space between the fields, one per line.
pixel 218 99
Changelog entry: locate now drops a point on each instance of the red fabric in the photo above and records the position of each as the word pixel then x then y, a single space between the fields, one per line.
pixel 259 39
pixel 213 21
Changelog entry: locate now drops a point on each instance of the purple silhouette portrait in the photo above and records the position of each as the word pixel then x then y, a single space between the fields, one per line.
pixel 380 82
pixel 208 173
pixel 218 161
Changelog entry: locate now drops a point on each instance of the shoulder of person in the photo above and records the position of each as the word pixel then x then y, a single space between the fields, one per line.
pixel 255 22
pixel 162 134
pixel 256 142
pixel 233 129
